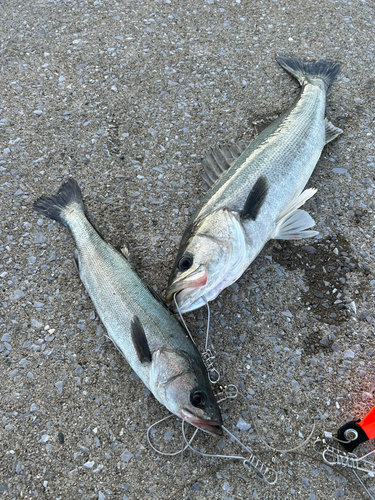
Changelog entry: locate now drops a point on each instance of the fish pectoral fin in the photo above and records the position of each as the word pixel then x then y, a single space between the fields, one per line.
pixel 297 202
pixel 331 131
pixel 217 160
pixel 292 222
pixel 293 226
pixel 76 260
pixel 140 341
pixel 255 199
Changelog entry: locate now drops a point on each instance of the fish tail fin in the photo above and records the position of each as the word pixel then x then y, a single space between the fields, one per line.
pixel 307 71
pixel 55 207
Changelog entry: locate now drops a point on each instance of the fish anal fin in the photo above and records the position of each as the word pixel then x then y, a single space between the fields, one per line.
pixel 140 341
pixel 255 199
pixel 331 131
pixel 293 226
pixel 217 160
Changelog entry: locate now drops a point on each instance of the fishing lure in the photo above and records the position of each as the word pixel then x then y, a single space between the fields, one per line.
pixel 356 432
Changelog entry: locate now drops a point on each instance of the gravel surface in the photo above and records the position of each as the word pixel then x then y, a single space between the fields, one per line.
pixel 125 97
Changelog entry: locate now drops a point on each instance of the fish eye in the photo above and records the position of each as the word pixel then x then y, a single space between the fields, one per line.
pixel 185 262
pixel 198 398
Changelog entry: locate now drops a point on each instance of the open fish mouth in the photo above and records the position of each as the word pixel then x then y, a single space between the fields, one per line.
pixel 213 427
pixel 185 286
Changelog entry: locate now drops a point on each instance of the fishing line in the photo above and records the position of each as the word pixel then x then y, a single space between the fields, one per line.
pixel 229 392
pixel 208 321
pixel 268 445
pixel 363 485
pixel 253 461
pixel 182 319
pixel 334 456
pixel 208 358
pixel 170 454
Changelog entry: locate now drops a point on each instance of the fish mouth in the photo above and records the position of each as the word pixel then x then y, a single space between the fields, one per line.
pixel 185 286
pixel 213 427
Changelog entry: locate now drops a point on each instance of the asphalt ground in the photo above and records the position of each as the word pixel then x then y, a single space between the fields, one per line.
pixel 125 97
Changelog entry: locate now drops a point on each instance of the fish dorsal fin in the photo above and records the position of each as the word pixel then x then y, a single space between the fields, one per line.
pixel 262 123
pixel 292 223
pixel 217 160
pixel 255 199
pixel 331 131
pixel 140 341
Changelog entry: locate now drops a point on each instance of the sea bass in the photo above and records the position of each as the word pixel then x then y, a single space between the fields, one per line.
pixel 147 334
pixel 255 192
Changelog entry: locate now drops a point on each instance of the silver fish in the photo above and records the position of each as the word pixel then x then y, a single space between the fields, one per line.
pixel 255 192
pixel 154 343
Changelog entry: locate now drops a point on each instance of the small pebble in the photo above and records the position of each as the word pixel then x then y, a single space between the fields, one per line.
pixel 349 354
pixel 309 249
pixel 126 456
pixel 226 486
pixel 288 314
pixel 295 385
pixel 168 435
pixel 59 386
pixel 242 425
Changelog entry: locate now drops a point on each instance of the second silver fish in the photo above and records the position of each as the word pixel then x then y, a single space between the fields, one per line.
pixel 256 193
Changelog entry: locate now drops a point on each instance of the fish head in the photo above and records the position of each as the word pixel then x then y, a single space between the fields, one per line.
pixel 181 384
pixel 212 255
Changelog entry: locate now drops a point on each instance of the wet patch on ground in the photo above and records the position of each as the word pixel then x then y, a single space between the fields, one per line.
pixel 327 265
